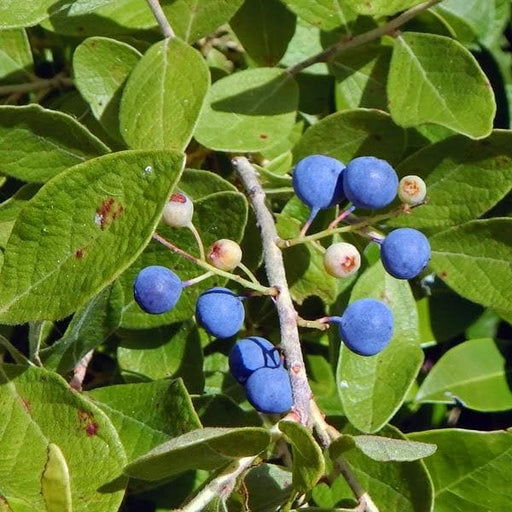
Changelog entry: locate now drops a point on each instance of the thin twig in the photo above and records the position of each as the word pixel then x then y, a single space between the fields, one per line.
pixel 274 266
pixel 80 370
pixel 37 85
pixel 161 18
pixel 366 37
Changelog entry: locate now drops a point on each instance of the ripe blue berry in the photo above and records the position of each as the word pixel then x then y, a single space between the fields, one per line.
pixel 220 312
pixel 369 182
pixel 317 181
pixel 251 354
pixel 269 390
pixel 366 326
pixel 405 253
pixel 157 289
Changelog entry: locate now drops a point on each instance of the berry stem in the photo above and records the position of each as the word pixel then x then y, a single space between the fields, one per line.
pixel 199 240
pixel 264 290
pixel 198 279
pixel 251 276
pixel 311 218
pixel 341 216
pixel 274 267
pixel 161 18
pixel 345 44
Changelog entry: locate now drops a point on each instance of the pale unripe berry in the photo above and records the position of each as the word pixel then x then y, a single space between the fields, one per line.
pixel 412 190
pixel 178 211
pixel 224 254
pixel 342 259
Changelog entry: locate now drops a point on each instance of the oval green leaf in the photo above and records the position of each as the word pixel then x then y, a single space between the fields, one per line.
pixel 55 484
pixel 81 230
pixel 249 111
pixel 163 97
pixel 37 144
pixel 324 14
pixel 424 85
pixel 16 61
pixel 379 8
pixel 23 14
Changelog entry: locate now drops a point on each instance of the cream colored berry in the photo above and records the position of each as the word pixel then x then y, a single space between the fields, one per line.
pixel 412 190
pixel 342 259
pixel 224 254
pixel 178 211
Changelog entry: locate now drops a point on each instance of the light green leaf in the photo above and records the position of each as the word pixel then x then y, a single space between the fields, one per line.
pixel 464 178
pixel 324 14
pixel 37 144
pixel 248 111
pixel 90 326
pixel 81 230
pixel 264 27
pixel 474 260
pixel 40 410
pixel 207 448
pixel 55 484
pixel 308 461
pixel 169 351
pixel 15 14
pixel 163 96
pixel 193 19
pixel 378 8
pixel 359 132
pixel 373 388
pixel 101 67
pixel 470 470
pixel 15 56
pixel 434 79
pixel 475 373
pixel 147 414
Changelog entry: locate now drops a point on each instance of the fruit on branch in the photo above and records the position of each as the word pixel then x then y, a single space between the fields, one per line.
pixel 157 289
pixel 178 211
pixel 317 181
pixel 366 326
pixel 405 252
pixel 269 390
pixel 224 254
pixel 342 259
pixel 251 354
pixel 370 182
pixel 412 190
pixel 220 312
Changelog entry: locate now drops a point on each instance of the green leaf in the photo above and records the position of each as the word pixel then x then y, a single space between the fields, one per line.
pixel 361 76
pixel 15 56
pixel 81 230
pixel 147 414
pixel 373 388
pixel 101 67
pixel 308 461
pixel 219 212
pixel 37 144
pixel 324 14
pixel 55 484
pixel 400 486
pixel 456 171
pixel 263 477
pixel 264 27
pixel 424 85
pixel 15 14
pixel 90 327
pixel 248 111
pixel 193 19
pixel 474 260
pixel 475 373
pixel 378 8
pixel 162 352
pixel 163 96
pixel 40 410
pixel 207 448
pixel 359 132
pixel 470 470
pixel 383 448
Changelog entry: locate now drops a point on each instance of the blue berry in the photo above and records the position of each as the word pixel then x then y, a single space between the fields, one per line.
pixel 157 289
pixel 405 252
pixel 251 354
pixel 366 326
pixel 220 312
pixel 269 390
pixel 369 182
pixel 317 181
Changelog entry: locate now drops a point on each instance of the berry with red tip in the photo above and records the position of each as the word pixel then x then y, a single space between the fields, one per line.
pixel 224 254
pixel 178 211
pixel 412 190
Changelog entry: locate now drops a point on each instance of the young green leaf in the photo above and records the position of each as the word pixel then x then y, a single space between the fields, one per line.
pixel 16 61
pixel 163 97
pixel 324 14
pixel 55 484
pixel 379 8
pixel 81 230
pixel 424 85
pixel 23 14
